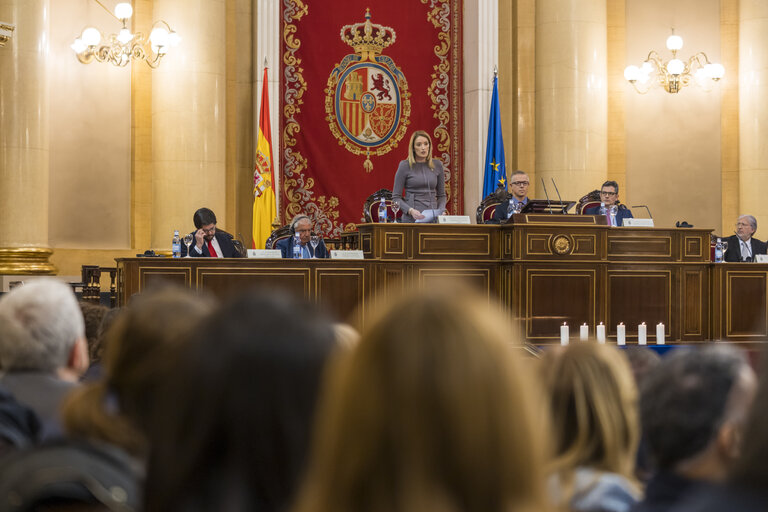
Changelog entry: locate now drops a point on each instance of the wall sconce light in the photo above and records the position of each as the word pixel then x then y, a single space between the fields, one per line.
pixel 119 49
pixel 674 74
pixel 6 32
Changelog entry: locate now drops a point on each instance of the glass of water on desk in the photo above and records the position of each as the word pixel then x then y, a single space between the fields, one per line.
pixel 395 209
pixel 188 238
pixel 314 241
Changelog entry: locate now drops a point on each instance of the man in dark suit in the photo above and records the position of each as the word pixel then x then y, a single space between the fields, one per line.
pixel 210 243
pixel 609 195
pixel 742 246
pixel 301 225
pixel 518 185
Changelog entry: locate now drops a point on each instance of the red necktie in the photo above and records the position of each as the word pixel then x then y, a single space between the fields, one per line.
pixel 211 250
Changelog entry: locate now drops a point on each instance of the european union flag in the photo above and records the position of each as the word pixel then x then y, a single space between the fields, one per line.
pixel 495 168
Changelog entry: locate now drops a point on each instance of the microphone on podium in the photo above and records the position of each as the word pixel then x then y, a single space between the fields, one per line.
pixel 562 206
pixel 644 206
pixel 549 203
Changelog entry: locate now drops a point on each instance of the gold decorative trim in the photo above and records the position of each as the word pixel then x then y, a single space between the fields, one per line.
pixel 22 261
pixel 561 244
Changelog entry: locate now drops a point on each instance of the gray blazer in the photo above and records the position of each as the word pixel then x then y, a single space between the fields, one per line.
pixel 419 187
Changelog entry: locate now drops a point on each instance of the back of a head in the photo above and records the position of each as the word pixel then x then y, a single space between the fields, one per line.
pixel 427 412
pixel 141 340
pixel 751 469
pixel 592 398
pixel 240 400
pixel 684 400
pixel 41 323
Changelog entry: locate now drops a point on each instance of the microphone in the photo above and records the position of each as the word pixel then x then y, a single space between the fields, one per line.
pixel 549 203
pixel 558 196
pixel 646 207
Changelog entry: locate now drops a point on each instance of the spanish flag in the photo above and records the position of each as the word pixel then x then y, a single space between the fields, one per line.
pixel 264 208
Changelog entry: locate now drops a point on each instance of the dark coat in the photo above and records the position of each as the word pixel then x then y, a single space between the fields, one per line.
pixel 733 253
pixel 286 248
pixel 225 242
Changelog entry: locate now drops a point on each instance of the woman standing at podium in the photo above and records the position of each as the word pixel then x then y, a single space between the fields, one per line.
pixel 420 182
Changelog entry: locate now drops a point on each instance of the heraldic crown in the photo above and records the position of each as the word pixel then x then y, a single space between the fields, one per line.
pixel 368 39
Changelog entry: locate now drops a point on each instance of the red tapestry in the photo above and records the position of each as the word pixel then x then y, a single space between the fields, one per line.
pixel 354 85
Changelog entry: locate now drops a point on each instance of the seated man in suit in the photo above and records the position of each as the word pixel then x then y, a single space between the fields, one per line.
pixel 742 246
pixel 301 225
pixel 210 243
pixel 518 184
pixel 609 195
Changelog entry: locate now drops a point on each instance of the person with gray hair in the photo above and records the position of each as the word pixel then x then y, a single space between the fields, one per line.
pixel 43 350
pixel 301 232
pixel 693 405
pixel 742 246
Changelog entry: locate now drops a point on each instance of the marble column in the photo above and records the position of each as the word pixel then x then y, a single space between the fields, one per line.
pixel 753 110
pixel 188 119
pixel 571 95
pixel 24 140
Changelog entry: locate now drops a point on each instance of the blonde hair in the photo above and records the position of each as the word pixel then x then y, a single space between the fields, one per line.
pixel 593 404
pixel 430 411
pixel 412 150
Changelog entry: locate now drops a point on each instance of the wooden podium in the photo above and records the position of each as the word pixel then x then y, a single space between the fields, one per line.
pixel 547 268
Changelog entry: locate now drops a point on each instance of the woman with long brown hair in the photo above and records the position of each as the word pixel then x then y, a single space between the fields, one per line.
pixel 419 186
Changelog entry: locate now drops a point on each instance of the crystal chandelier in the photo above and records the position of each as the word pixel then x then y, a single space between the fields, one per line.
pixel 674 74
pixel 119 49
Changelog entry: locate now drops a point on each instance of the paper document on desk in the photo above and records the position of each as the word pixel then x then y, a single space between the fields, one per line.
pixel 429 216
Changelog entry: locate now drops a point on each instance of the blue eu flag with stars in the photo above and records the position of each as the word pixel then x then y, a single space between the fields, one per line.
pixel 495 169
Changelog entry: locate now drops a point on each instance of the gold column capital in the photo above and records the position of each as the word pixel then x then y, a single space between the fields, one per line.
pixel 26 261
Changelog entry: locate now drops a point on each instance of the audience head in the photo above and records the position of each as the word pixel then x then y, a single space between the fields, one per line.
pixel 43 329
pixel 593 404
pixel 240 401
pixel 518 184
pixel 420 149
pixel 746 226
pixel 692 407
pixel 139 346
pixel 609 192
pixel 430 411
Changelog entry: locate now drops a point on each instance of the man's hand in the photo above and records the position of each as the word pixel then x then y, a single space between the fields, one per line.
pixel 199 239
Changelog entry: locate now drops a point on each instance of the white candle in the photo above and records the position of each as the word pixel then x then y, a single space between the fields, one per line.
pixel 564 334
pixel 641 334
pixel 621 334
pixel 660 334
pixel 601 333
pixel 584 332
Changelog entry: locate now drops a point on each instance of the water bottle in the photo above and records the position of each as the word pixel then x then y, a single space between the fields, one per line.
pixel 382 210
pixel 176 244
pixel 603 210
pixel 612 213
pixel 296 247
pixel 719 251
pixel 510 208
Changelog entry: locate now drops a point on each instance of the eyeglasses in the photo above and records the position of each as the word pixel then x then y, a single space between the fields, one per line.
pixel 209 231
pixel 520 183
pixel 743 224
pixel 606 193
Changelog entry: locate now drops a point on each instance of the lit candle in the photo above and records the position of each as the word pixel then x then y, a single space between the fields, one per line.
pixel 584 332
pixel 660 334
pixel 641 333
pixel 621 334
pixel 601 333
pixel 564 334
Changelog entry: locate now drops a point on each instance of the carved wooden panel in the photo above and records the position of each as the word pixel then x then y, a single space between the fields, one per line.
pixel 341 292
pixel 479 278
pixel 394 244
pixel 639 247
pixel 227 281
pixel 745 304
pixel 636 296
pixel 554 296
pixel 448 245
pixel 157 275
pixel 694 307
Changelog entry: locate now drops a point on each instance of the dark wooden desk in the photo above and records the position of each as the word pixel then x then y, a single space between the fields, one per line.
pixel 546 268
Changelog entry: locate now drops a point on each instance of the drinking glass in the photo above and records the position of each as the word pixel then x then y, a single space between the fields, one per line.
pixel 314 241
pixel 188 238
pixel 395 209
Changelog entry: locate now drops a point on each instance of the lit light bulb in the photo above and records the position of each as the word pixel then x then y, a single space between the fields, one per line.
pixel 124 36
pixel 79 46
pixel 123 11
pixel 174 38
pixel 675 67
pixel 631 73
pixel 674 42
pixel 91 36
pixel 716 71
pixel 159 37
pixel 646 68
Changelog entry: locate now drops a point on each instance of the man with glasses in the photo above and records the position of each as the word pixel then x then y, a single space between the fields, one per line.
pixel 609 196
pixel 518 186
pixel 742 246
pixel 210 242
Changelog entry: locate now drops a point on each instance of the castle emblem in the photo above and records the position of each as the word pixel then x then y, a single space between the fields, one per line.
pixel 367 103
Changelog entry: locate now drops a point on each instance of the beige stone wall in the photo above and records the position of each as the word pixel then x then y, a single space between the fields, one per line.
pixel 673 140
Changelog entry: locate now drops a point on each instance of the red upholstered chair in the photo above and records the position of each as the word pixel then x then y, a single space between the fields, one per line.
pixel 487 208
pixel 371 206
pixel 277 235
pixel 588 201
